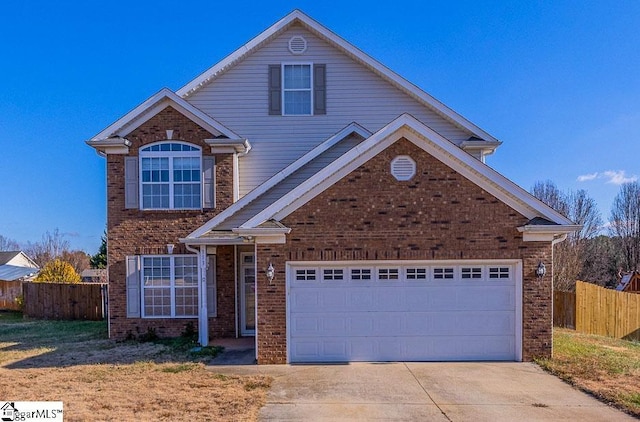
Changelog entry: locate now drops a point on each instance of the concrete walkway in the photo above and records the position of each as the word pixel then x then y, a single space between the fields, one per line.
pixel 423 392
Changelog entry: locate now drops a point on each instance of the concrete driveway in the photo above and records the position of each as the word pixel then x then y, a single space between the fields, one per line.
pixel 423 392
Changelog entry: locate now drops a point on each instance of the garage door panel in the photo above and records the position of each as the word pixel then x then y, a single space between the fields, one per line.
pixel 306 325
pixel 413 320
pixel 361 324
pixel 304 299
pixel 362 298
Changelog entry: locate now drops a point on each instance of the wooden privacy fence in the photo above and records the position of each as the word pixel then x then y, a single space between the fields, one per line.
pixel 564 309
pixel 9 290
pixel 600 311
pixel 65 301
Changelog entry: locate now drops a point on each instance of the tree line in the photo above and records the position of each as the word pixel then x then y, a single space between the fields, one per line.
pixel 598 253
pixel 57 261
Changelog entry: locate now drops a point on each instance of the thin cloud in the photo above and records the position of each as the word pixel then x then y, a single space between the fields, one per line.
pixel 587 177
pixel 618 177
pixel 614 177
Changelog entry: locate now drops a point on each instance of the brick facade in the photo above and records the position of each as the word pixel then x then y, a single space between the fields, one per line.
pixel 137 232
pixel 437 215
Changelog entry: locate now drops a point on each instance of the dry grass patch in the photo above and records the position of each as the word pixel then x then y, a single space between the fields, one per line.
pixel 101 380
pixel 605 367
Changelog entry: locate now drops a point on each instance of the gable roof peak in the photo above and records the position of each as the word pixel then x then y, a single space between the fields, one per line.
pixel 113 136
pixel 350 50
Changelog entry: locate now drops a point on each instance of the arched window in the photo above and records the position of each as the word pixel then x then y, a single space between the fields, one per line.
pixel 171 176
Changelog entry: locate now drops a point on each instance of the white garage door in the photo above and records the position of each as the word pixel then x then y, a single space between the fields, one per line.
pixel 420 311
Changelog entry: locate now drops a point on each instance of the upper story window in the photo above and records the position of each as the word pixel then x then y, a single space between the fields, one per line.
pixel 171 176
pixel 297 89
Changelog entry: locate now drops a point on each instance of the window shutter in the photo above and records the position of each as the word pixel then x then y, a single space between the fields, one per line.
pixel 275 89
pixel 208 182
pixel 133 286
pixel 212 308
pixel 320 89
pixel 131 196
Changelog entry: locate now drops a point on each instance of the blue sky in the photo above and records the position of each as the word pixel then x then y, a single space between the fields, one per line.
pixel 558 82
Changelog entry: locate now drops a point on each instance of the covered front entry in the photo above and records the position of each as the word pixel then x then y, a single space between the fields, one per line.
pixel 404 311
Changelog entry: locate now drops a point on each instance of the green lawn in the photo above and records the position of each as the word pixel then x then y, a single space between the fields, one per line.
pixel 605 367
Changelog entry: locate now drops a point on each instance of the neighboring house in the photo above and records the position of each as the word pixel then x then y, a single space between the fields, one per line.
pixel 94 275
pixel 15 267
pixel 302 192
pixel 630 283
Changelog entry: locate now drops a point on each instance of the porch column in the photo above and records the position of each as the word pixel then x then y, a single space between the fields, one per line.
pixel 203 313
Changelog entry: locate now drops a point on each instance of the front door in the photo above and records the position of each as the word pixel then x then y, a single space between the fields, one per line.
pixel 247 294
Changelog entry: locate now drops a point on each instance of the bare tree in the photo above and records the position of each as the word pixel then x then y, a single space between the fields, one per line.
pixel 50 247
pixel 7 244
pixel 625 223
pixel 570 255
pixel 602 261
pixel 549 193
pixel 79 260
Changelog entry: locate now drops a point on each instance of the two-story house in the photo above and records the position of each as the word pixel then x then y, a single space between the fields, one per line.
pixel 303 193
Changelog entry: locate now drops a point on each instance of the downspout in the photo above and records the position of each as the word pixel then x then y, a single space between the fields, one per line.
pixel 554 242
pixel 203 313
pixel 236 169
pixel 235 283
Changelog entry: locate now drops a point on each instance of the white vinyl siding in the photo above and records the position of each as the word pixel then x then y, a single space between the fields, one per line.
pixel 239 100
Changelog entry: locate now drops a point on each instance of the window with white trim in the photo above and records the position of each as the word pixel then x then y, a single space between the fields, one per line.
pixel 297 89
pixel 331 274
pixel 169 286
pixel 306 275
pixel 360 274
pixel 171 176
pixel 473 273
pixel 499 273
pixel 416 273
pixel 388 274
pixel 443 273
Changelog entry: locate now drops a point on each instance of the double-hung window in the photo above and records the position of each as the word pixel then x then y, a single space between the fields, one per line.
pixel 296 89
pixel 170 175
pixel 169 286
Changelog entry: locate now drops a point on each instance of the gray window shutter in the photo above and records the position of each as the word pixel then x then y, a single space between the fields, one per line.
pixel 208 182
pixel 133 287
pixel 131 182
pixel 319 89
pixel 212 308
pixel 275 89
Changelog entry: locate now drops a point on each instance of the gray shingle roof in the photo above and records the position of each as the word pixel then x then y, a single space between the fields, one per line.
pixel 289 183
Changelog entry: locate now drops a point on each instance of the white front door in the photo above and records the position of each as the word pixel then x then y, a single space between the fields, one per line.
pixel 247 294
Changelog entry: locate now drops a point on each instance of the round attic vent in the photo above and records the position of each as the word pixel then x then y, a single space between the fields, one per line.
pixel 297 44
pixel 403 168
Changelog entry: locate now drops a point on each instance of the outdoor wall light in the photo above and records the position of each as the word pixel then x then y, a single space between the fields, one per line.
pixel 541 270
pixel 271 272
pixel 170 247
